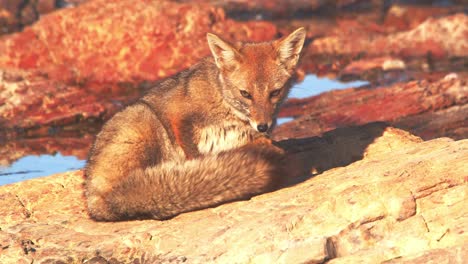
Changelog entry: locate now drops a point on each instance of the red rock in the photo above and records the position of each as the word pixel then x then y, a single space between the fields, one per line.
pixel 30 100
pixel 410 105
pixel 360 67
pixel 45 6
pixel 15 14
pixel 123 41
pixel 8 19
pixel 444 36
pixel 277 8
pixel 450 122
pixel 406 17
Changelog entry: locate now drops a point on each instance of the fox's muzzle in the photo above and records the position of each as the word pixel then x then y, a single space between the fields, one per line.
pixel 261 127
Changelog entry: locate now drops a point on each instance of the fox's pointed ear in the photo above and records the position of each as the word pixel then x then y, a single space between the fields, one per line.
pixel 290 47
pixel 225 55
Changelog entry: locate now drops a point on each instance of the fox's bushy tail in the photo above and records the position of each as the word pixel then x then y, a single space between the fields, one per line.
pixel 172 188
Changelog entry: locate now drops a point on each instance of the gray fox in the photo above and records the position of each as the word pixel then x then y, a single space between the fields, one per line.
pixel 197 139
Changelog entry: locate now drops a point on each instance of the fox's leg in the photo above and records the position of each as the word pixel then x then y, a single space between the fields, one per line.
pixel 262 140
pixel 184 135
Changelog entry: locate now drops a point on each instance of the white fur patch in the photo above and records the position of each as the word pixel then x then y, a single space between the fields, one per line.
pixel 215 139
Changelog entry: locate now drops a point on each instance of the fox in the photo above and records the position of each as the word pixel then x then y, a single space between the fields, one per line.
pixel 198 139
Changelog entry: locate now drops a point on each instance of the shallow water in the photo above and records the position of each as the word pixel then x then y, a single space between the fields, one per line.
pixel 33 166
pixel 313 85
pixel 29 167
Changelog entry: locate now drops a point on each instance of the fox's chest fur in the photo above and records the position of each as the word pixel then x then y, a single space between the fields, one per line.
pixel 217 138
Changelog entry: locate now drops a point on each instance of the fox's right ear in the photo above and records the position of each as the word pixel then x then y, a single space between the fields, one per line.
pixel 290 47
pixel 225 55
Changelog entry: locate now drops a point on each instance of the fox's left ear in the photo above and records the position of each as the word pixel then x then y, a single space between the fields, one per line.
pixel 290 47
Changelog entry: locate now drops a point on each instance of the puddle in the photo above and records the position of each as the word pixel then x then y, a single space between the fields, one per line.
pixel 29 167
pixel 313 85
pixel 33 166
pixel 282 120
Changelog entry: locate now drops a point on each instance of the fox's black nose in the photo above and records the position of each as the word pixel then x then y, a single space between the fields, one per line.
pixel 262 127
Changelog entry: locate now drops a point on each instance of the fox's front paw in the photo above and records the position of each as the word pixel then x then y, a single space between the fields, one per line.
pixel 262 140
pixel 268 143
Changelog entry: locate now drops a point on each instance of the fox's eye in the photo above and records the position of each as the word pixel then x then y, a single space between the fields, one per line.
pixel 275 93
pixel 245 94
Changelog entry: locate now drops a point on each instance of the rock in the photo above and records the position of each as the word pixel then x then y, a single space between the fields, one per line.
pixel 443 255
pixel 405 17
pixel 29 100
pixel 403 199
pixel 70 3
pixel 451 122
pixel 432 36
pixel 447 255
pixel 268 9
pixel 408 35
pixel 15 14
pixel 429 109
pixel 152 40
pixel 362 67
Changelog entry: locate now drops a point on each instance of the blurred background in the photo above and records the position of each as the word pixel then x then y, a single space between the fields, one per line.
pixel 67 66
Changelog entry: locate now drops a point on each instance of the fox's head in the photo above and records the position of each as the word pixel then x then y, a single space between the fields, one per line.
pixel 255 76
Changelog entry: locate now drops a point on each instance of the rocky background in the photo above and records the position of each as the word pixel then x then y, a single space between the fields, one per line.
pixel 381 194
